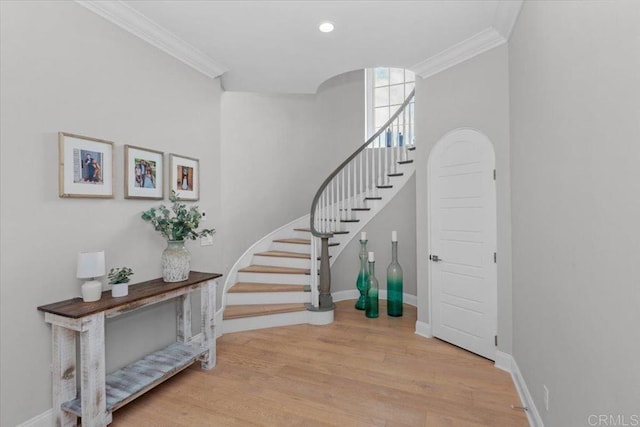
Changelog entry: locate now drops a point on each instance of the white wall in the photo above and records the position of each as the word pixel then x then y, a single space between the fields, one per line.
pixel 399 215
pixel 64 68
pixel 472 94
pixel 575 138
pixel 277 150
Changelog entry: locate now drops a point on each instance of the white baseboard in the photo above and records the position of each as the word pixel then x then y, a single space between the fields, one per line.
pixel 423 329
pixel 503 361
pixel 412 300
pixel 345 295
pixel 265 321
pixel 45 419
pixel 525 397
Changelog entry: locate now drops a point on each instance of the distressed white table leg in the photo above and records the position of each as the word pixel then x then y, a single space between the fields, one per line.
pixel 92 374
pixel 64 373
pixel 184 317
pixel 208 310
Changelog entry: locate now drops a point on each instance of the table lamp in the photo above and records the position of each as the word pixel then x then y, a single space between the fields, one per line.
pixel 90 266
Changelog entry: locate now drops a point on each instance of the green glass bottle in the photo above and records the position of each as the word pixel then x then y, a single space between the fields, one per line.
pixel 371 309
pixel 363 276
pixel 394 281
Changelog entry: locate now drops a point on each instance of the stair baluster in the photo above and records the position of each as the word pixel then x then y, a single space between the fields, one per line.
pixel 346 188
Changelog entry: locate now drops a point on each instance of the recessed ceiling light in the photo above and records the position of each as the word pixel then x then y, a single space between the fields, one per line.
pixel 326 27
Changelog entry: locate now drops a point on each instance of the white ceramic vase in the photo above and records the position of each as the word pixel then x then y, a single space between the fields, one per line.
pixel 176 262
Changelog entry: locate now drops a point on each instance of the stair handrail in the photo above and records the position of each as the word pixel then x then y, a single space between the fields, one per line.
pixel 333 203
pixel 383 128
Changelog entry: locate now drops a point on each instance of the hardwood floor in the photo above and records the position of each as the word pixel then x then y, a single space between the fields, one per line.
pixel 354 372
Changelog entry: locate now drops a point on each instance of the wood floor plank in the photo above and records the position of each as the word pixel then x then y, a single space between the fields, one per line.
pixel 354 372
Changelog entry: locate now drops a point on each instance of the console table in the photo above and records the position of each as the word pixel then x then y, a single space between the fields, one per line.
pixel 101 394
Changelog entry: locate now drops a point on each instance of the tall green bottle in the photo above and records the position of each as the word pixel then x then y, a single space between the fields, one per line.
pixel 363 275
pixel 371 309
pixel 394 280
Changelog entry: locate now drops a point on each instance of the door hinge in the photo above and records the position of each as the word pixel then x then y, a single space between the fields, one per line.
pixel 495 339
pixel 495 257
pixel 494 174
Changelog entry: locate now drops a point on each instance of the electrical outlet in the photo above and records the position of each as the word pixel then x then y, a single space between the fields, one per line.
pixel 546 397
pixel 206 240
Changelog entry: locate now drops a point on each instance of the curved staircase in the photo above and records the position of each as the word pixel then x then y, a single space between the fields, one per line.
pixel 272 283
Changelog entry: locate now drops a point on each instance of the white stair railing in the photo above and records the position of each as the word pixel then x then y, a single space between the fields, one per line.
pixel 348 187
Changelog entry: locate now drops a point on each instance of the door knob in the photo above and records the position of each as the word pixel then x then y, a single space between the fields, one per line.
pixel 435 258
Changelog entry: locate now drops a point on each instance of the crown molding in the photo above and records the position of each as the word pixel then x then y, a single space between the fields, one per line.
pixel 139 25
pixel 505 16
pixel 504 19
pixel 475 45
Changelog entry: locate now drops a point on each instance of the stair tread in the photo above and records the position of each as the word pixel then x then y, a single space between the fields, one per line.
pixel 284 254
pixel 404 162
pixel 355 209
pixel 308 230
pixel 273 270
pixel 384 186
pixel 246 287
pixel 411 148
pixel 396 174
pixel 373 198
pixel 294 241
pixel 240 311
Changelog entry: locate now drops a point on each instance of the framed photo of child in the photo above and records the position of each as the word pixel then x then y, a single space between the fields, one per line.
pixel 86 166
pixel 184 173
pixel 143 173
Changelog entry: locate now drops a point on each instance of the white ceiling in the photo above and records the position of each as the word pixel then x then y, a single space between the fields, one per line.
pixel 275 46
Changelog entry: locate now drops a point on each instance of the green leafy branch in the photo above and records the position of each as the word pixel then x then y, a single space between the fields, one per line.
pixel 177 222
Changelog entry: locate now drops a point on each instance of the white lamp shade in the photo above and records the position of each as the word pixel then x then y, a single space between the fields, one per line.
pixel 90 265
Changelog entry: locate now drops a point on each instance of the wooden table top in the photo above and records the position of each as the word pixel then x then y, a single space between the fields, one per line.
pixel 75 308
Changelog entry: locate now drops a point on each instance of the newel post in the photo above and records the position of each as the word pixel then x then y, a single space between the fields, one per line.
pixel 325 301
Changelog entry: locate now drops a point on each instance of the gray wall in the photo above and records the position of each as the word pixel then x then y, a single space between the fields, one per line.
pixel 277 150
pixel 472 94
pixel 575 138
pixel 63 68
pixel 399 215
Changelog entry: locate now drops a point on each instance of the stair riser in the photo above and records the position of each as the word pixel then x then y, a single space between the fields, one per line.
pixel 285 279
pixel 281 261
pixel 268 298
pixel 290 247
pixel 303 249
pixel 300 234
pixel 267 321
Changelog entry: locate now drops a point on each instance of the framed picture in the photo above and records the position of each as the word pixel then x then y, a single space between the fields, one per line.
pixel 184 176
pixel 86 166
pixel 143 173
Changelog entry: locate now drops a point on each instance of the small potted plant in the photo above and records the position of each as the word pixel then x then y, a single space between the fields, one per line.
pixel 119 279
pixel 177 224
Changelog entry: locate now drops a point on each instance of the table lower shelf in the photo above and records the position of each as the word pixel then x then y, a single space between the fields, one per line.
pixel 126 384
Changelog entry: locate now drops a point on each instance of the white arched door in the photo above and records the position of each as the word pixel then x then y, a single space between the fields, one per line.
pixel 462 241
